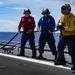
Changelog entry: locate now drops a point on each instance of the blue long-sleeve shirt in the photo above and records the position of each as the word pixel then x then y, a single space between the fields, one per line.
pixel 46 23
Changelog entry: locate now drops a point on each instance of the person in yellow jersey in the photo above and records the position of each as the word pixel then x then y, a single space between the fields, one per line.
pixel 66 25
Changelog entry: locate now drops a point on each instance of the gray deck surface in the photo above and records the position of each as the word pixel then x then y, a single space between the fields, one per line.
pixel 12 66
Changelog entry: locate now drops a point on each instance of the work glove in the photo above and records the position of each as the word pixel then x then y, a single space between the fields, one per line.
pixel 18 31
pixel 50 31
pixel 38 29
pixel 60 26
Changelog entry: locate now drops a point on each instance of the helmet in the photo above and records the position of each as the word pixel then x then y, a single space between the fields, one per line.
pixel 66 6
pixel 45 11
pixel 27 11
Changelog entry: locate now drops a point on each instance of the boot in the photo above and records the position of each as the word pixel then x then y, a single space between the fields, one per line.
pixel 73 67
pixel 40 56
pixel 60 62
pixel 21 54
pixel 55 58
pixel 33 56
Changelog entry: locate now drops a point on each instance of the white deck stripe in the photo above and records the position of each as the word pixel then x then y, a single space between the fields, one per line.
pixel 35 61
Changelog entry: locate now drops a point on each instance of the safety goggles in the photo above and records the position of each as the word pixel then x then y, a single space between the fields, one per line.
pixel 64 8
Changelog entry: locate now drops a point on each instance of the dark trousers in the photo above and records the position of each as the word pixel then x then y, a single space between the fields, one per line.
pixel 70 42
pixel 24 39
pixel 49 38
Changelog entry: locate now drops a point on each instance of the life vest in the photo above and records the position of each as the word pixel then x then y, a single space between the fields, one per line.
pixel 68 24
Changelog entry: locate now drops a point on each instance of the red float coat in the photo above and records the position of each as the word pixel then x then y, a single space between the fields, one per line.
pixel 27 23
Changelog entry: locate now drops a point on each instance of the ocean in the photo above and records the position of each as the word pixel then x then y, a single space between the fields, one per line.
pixel 8 35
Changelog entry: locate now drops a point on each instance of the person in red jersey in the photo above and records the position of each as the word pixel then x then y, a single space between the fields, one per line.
pixel 27 23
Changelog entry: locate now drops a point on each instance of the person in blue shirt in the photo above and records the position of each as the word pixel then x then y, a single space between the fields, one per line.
pixel 46 26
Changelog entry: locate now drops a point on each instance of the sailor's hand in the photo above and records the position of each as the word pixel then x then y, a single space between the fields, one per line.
pixel 60 26
pixel 49 31
pixel 18 31
pixel 29 31
pixel 39 30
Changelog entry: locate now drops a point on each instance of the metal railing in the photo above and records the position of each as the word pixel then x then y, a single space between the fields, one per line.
pixel 4 43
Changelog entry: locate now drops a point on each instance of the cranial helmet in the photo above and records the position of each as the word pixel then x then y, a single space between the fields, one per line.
pixel 45 11
pixel 27 11
pixel 66 6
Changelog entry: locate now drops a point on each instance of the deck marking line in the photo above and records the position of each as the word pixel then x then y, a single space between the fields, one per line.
pixel 35 61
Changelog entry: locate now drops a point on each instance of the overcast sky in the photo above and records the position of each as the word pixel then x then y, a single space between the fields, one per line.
pixel 12 10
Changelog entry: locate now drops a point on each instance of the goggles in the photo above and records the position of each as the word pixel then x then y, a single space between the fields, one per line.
pixel 64 8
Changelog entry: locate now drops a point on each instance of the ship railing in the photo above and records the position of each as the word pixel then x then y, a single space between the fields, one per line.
pixel 12 45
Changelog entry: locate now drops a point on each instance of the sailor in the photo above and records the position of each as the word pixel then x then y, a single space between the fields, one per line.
pixel 27 23
pixel 66 25
pixel 46 25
